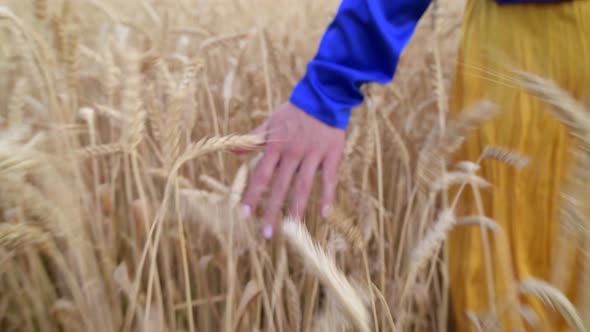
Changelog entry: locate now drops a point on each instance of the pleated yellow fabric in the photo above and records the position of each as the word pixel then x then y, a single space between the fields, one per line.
pixel 552 41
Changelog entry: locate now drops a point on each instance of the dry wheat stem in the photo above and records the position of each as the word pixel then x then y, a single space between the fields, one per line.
pixel 505 155
pixel 196 149
pixel 553 297
pixel 440 146
pixel 100 150
pixel 16 237
pixel 128 63
pixel 427 248
pixel 17 102
pixel 481 221
pixel 449 179
pixel 344 225
pixel 326 270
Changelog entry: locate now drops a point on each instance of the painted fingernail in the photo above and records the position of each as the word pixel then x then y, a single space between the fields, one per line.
pixel 267 231
pixel 245 211
pixel 325 211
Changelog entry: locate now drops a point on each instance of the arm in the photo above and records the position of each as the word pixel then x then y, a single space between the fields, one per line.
pixel 361 45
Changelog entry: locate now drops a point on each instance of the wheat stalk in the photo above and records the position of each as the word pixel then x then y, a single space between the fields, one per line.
pixel 326 270
pixel 566 108
pixel 369 151
pixel 173 127
pixel 164 75
pixel 40 9
pixel 573 218
pixel 453 178
pixel 428 248
pixel 17 102
pixel 343 224
pixel 437 72
pixel 398 141
pixel 59 36
pixel 100 150
pixel 116 115
pixel 219 40
pixel 36 206
pixel 16 237
pixel 505 155
pixel 468 167
pixel 153 113
pixel 72 59
pixel 17 163
pixel 136 131
pixel 131 82
pixel 238 186
pixel 346 168
pixel 189 74
pixel 433 240
pixel 160 173
pixel 216 143
pixel 111 72
pixel 214 184
pixel 330 319
pixel 441 145
pixel 553 297
pixel 478 221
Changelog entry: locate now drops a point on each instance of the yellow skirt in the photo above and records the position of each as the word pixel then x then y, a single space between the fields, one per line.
pixel 552 41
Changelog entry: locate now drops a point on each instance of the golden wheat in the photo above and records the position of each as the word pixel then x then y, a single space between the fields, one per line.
pixel 16 237
pixel 116 187
pixel 553 297
pixel 325 269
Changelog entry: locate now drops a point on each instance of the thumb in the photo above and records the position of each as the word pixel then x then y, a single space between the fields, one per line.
pixel 258 131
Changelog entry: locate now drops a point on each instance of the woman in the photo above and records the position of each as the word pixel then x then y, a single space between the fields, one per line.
pixel 363 44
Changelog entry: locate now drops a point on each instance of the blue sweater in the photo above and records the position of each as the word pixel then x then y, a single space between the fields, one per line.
pixel 361 45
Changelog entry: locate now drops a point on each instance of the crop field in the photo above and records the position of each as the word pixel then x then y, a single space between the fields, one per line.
pixel 120 196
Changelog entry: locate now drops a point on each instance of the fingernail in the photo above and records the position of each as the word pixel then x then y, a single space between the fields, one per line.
pixel 325 211
pixel 267 231
pixel 245 211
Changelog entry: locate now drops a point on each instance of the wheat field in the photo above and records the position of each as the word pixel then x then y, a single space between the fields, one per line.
pixel 119 195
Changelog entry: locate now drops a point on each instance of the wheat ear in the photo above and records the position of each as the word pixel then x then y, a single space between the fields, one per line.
pixel 327 271
pixel 15 237
pixel 428 248
pixel 217 143
pixel 100 150
pixel 505 155
pixel 553 297
pixel 17 102
pixel 441 145
pixel 41 9
pixel 344 225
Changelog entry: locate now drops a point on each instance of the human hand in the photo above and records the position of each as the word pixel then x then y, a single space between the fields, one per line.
pixel 296 144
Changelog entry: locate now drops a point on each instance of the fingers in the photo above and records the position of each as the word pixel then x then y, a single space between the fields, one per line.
pixel 287 167
pixel 292 139
pixel 329 180
pixel 260 180
pixel 303 185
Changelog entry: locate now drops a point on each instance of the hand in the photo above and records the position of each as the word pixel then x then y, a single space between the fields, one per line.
pixel 296 144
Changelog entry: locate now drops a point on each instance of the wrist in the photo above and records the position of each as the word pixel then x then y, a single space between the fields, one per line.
pixel 304 99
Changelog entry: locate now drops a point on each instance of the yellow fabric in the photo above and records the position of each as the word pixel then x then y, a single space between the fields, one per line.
pixel 553 41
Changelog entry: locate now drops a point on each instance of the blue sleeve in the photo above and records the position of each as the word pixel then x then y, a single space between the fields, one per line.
pixel 361 45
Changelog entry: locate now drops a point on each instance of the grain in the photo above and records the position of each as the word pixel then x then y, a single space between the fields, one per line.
pixel 120 198
pixel 325 269
pixel 554 298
